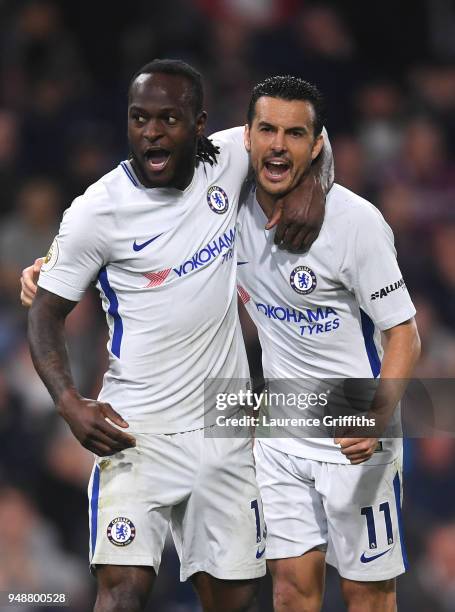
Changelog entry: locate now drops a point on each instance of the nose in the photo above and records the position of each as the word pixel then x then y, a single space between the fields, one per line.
pixel 152 130
pixel 278 143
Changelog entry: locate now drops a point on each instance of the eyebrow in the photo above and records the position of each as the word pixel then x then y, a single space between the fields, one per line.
pixel 140 109
pixel 300 128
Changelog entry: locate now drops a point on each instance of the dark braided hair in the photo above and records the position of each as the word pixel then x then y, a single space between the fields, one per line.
pixel 206 151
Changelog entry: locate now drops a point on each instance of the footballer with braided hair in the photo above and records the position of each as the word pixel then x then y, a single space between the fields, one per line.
pixel 206 151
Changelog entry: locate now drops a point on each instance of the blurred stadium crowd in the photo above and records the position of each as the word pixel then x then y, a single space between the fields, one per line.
pixel 388 72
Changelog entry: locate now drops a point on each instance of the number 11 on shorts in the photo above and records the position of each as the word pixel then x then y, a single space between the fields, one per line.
pixel 368 513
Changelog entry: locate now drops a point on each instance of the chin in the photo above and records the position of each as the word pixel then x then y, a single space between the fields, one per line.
pixel 159 180
pixel 275 190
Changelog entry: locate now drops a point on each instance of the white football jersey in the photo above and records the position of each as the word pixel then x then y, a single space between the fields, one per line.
pixel 319 314
pixel 165 266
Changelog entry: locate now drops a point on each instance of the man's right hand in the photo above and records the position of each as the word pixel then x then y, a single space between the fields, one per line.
pixel 89 422
pixel 29 280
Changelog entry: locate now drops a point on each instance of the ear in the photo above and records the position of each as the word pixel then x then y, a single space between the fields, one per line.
pixel 201 121
pixel 246 138
pixel 317 147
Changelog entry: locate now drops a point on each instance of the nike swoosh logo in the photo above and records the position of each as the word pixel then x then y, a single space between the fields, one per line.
pixel 260 553
pixel 242 263
pixel 139 247
pixel 364 559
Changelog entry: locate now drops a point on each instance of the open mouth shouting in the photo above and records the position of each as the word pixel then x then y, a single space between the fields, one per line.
pixel 276 169
pixel 156 158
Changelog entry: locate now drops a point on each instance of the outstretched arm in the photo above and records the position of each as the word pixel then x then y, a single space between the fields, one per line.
pixel 87 418
pixel 300 214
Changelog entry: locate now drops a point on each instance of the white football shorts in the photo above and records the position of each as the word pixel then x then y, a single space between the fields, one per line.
pixel 205 488
pixel 353 512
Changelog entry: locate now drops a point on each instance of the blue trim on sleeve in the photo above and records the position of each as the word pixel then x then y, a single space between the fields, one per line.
pixel 94 507
pixel 113 311
pixel 368 337
pixel 397 490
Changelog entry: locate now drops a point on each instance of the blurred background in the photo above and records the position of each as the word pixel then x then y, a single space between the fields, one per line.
pixel 387 70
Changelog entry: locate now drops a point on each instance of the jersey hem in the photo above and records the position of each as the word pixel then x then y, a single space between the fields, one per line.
pixel 317 456
pixel 139 428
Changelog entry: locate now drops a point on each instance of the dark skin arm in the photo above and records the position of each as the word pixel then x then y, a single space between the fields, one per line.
pixel 86 417
pixel 299 215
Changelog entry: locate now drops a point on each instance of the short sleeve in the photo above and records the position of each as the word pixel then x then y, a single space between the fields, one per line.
pixel 370 269
pixel 79 250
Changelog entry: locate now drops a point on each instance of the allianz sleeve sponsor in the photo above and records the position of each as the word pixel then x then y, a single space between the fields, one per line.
pixel 384 292
pixel 222 245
